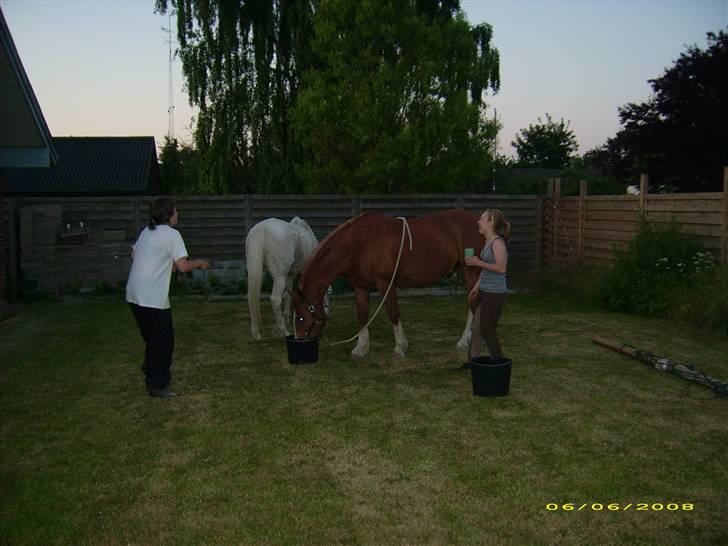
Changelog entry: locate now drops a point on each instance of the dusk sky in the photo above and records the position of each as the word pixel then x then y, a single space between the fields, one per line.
pixel 100 68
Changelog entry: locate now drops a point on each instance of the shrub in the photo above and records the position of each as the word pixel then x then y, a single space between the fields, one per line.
pixel 663 273
pixel 705 303
pixel 657 263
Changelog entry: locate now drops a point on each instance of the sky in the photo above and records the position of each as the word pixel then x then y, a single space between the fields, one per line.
pixel 101 67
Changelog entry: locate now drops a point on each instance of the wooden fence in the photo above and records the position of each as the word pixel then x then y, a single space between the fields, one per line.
pixel 48 243
pixel 216 226
pixel 589 228
pixel 4 246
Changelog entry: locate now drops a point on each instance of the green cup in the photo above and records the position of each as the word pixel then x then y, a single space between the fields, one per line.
pixel 469 252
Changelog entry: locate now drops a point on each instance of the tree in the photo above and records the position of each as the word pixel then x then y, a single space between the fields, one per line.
pixel 679 135
pixel 393 100
pixel 547 145
pixel 178 168
pixel 336 95
pixel 242 62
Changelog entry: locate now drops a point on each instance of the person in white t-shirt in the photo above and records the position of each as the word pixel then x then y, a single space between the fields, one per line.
pixel 157 251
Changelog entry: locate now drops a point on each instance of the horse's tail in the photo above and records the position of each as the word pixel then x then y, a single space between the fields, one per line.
pixel 254 244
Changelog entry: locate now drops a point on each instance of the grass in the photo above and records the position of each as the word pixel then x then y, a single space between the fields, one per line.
pixel 381 450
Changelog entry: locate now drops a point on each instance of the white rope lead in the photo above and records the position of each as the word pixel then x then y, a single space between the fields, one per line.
pixel 405 229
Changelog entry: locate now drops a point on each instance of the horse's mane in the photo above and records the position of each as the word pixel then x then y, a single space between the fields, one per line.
pixel 324 245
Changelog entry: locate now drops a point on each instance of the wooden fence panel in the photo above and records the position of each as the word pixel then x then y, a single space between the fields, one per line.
pixel 215 227
pixel 590 227
pixel 322 212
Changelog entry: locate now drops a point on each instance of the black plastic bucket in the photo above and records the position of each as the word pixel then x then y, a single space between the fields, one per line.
pixel 491 376
pixel 302 351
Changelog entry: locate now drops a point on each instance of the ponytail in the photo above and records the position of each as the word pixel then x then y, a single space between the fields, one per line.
pixel 161 211
pixel 506 232
pixel 500 224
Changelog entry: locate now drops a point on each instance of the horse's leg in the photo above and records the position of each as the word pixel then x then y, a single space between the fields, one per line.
pixel 400 340
pixel 471 340
pixel 471 334
pixel 362 315
pixel 464 342
pixel 276 298
pixel 287 302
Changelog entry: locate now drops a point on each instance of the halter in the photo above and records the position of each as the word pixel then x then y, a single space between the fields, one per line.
pixel 317 318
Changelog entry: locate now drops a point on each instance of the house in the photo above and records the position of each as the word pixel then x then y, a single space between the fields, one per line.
pixel 89 166
pixel 25 141
pixel 60 251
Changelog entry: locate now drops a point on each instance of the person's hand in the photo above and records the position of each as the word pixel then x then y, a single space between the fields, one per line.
pixel 472 260
pixel 473 294
pixel 204 264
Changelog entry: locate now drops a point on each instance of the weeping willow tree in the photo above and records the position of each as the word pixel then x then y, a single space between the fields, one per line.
pixel 242 63
pixel 337 95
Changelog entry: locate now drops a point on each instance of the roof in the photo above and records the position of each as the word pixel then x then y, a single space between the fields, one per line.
pixel 25 139
pixel 92 166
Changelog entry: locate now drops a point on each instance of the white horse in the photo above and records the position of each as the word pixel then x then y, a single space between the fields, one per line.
pixel 282 248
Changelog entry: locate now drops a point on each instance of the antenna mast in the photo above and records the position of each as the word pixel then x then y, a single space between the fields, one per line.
pixel 170 109
pixel 495 147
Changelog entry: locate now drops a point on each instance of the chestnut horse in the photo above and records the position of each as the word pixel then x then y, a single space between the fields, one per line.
pixel 364 251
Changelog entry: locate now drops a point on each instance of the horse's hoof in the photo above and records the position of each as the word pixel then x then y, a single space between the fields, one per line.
pixel 257 337
pixel 399 352
pixel 463 345
pixel 358 354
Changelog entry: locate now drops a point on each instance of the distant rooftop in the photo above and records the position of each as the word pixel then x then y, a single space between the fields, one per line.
pixel 92 166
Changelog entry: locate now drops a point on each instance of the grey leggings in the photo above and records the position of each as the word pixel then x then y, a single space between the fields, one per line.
pixel 486 312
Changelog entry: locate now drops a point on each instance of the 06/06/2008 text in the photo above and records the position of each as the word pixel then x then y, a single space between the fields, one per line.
pixel 621 507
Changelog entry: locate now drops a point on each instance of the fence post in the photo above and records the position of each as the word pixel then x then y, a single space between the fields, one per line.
pixel 582 202
pixel 644 188
pixel 555 238
pixel 355 205
pixel 546 208
pixel 13 267
pixel 248 213
pixel 136 218
pixel 724 221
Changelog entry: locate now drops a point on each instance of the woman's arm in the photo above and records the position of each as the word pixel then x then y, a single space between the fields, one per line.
pixel 186 265
pixel 501 259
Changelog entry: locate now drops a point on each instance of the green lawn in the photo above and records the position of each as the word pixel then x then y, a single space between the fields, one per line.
pixel 379 450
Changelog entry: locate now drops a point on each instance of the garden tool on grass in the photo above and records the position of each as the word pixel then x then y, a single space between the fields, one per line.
pixel 686 371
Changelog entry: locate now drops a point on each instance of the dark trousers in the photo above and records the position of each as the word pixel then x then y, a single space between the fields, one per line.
pixel 489 307
pixel 156 328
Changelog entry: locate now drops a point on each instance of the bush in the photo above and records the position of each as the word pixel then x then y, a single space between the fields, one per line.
pixel 663 273
pixel 658 262
pixel 705 304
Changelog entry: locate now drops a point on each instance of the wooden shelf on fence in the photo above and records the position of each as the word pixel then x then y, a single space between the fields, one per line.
pixel 74 236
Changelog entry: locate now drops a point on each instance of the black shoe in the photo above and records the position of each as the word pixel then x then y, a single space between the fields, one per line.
pixel 160 393
pixel 463 366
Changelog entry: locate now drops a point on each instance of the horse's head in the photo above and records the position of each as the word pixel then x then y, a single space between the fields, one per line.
pixel 309 315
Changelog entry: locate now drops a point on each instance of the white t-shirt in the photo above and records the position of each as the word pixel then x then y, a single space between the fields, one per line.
pixel 151 266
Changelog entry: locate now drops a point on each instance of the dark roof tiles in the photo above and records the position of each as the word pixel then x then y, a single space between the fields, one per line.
pixel 92 166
